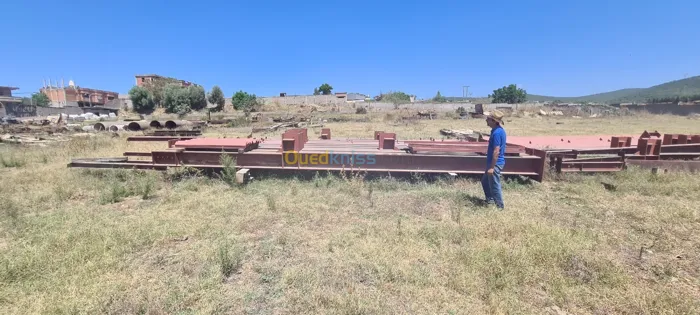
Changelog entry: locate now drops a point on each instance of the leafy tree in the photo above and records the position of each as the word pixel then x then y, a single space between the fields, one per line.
pixel 40 99
pixel 157 88
pixel 395 97
pixel 439 98
pixel 176 99
pixel 325 89
pixel 509 94
pixel 198 99
pixel 142 99
pixel 244 101
pixel 316 91
pixel 216 97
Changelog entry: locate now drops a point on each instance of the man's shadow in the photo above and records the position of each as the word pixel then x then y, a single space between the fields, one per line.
pixel 476 201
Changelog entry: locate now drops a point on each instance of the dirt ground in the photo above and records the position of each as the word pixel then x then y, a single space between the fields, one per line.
pixel 125 242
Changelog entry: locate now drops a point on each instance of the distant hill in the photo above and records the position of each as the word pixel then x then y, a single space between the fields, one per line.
pixel 680 88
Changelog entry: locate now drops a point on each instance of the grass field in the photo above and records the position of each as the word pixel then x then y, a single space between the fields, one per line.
pixel 127 242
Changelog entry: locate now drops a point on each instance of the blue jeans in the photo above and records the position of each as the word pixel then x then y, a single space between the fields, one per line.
pixel 492 186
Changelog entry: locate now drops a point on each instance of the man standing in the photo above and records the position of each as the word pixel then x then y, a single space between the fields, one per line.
pixel 495 159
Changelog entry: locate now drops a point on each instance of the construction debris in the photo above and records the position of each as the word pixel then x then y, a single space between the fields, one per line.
pixel 459 134
pixel 430 114
pixel 275 127
pixel 40 140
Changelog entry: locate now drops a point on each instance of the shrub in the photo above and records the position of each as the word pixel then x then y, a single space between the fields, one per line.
pixel 244 101
pixel 176 99
pixel 229 260
pixel 197 97
pixel 216 97
pixel 228 171
pixel 142 99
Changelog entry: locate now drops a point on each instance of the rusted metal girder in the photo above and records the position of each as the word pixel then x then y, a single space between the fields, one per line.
pixel 619 142
pixel 457 147
pixel 130 153
pixel 687 166
pixel 529 165
pixel 387 141
pixel 612 164
pixel 157 138
pixel 680 148
pixel 294 140
pixel 326 133
pixel 179 133
pixel 218 144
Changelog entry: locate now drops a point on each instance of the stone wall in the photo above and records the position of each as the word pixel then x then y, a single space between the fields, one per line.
pixel 303 100
pixel 682 110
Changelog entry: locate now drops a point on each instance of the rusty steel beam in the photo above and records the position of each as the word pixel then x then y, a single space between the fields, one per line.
pixel 680 148
pixel 158 138
pixel 474 148
pixel 387 141
pixel 128 153
pixel 625 150
pixel 218 144
pixel 665 156
pixel 594 166
pixel 530 165
pixel 326 133
pixel 619 142
pixel 293 140
pixel 596 159
pixel 179 133
pixel 85 163
pixel 688 166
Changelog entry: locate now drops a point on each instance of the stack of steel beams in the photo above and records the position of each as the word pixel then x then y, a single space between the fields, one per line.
pixel 295 152
pixel 651 150
pixel 526 156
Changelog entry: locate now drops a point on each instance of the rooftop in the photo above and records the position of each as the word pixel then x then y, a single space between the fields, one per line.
pixel 11 88
pixel 82 89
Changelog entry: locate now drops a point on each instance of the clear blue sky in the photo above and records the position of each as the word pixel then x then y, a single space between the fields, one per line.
pixel 560 48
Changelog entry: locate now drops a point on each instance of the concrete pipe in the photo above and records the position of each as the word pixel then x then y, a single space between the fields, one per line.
pixel 138 126
pixel 172 124
pixel 104 125
pixel 156 124
pixel 88 128
pixel 115 128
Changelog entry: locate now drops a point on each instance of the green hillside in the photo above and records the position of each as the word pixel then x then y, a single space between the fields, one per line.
pixel 689 87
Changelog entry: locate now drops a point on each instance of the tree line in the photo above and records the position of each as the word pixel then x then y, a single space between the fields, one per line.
pixel 677 99
pixel 178 99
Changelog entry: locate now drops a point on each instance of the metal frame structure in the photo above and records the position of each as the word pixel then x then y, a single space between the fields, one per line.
pixel 295 152
pixel 386 154
pixel 670 152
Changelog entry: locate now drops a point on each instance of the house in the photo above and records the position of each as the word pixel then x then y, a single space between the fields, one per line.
pixel 14 106
pixel 6 97
pixel 144 79
pixel 341 94
pixel 73 95
pixel 356 97
pixel 7 90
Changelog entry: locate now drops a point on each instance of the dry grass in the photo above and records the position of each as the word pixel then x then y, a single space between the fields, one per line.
pixel 116 242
